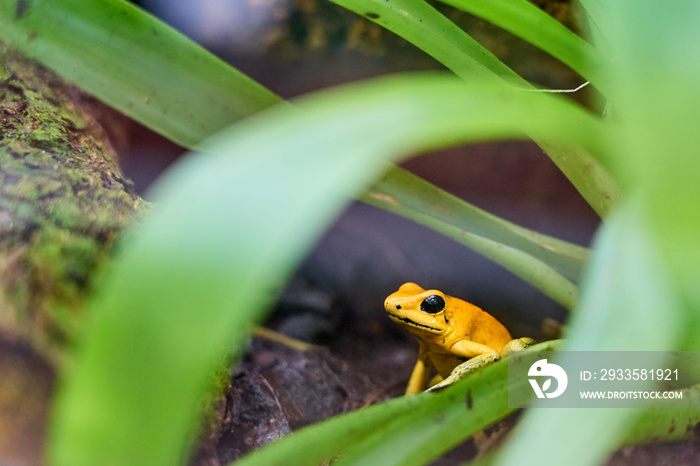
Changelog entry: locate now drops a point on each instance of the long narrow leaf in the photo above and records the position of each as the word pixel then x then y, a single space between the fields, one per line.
pixel 643 289
pixel 413 429
pixel 476 403
pixel 417 429
pixel 170 311
pixel 628 296
pixel 528 258
pixel 660 132
pixel 135 63
pixel 525 20
pixel 412 197
pixel 425 27
pixel 588 175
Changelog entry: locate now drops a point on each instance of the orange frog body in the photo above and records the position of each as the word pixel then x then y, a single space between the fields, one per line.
pixel 455 336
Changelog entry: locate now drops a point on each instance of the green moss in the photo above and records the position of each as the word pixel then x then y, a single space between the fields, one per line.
pixel 63 201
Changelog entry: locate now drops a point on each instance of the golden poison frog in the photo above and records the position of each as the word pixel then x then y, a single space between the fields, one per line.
pixel 455 336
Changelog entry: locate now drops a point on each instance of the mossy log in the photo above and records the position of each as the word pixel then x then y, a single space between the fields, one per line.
pixel 63 203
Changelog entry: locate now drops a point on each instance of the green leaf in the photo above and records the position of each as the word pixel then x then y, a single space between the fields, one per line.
pixel 642 294
pixel 658 57
pixel 546 263
pixel 170 310
pixel 623 307
pixel 426 28
pixel 415 198
pixel 414 429
pixel 135 63
pixel 525 20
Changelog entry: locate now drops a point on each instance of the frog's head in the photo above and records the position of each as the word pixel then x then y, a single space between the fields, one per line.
pixel 420 311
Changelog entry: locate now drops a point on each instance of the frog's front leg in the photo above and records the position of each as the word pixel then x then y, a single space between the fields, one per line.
pixel 480 356
pixel 421 372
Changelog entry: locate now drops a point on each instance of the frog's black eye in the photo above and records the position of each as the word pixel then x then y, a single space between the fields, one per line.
pixel 432 304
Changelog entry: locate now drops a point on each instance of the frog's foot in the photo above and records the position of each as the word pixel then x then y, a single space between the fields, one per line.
pixel 464 369
pixel 516 345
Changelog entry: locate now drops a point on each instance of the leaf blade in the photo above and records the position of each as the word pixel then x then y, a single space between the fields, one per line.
pixel 135 63
pixel 426 28
pixel 401 192
pixel 527 21
pixel 414 429
pixel 626 261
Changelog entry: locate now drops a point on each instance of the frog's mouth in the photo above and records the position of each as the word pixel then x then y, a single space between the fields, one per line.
pixel 413 323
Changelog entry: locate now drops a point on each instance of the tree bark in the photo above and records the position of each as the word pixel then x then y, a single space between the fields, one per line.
pixel 63 203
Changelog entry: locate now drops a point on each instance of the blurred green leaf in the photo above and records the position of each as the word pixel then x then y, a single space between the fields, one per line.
pixel 657 100
pixel 624 307
pixel 170 310
pixel 527 21
pixel 135 63
pixel 642 293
